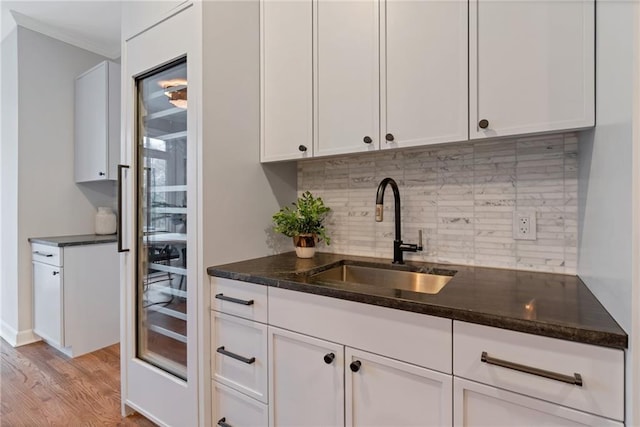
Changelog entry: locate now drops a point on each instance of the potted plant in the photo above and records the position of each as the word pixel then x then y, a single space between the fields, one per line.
pixel 304 222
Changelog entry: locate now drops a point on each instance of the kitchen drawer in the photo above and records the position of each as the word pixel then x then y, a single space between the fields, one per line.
pixel 51 255
pixel 242 299
pixel 239 354
pixel 411 337
pixel 601 369
pixel 236 409
pixel 478 404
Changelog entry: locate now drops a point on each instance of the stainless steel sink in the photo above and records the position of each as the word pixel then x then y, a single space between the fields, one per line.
pixel 422 282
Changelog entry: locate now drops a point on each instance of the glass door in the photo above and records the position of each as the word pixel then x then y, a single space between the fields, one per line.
pixel 161 200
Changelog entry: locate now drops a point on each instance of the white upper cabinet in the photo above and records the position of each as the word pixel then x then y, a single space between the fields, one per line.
pixel 531 66
pixel 347 63
pixel 97 123
pixel 286 80
pixel 363 75
pixel 424 84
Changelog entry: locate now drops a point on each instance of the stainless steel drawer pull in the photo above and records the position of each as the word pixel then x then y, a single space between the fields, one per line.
pixel 224 352
pixel 235 300
pixel 42 254
pixel 575 379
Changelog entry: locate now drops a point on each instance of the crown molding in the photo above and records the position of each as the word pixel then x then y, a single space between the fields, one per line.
pixel 64 36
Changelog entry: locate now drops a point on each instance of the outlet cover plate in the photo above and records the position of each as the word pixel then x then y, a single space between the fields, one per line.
pixel 524 225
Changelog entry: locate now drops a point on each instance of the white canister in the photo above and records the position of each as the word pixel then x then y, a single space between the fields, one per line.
pixel 105 221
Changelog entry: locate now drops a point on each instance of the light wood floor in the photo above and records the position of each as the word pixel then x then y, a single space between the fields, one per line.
pixel 40 386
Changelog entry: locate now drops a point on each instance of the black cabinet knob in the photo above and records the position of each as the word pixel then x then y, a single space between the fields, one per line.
pixel 483 124
pixel 55 273
pixel 222 422
pixel 355 366
pixel 367 140
pixel 101 173
pixel 389 137
pixel 302 148
pixel 328 358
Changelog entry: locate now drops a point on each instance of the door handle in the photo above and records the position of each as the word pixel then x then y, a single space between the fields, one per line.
pixel 247 360
pixel 575 379
pixel 120 213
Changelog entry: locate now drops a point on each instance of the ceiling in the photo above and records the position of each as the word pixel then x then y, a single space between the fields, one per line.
pixel 90 25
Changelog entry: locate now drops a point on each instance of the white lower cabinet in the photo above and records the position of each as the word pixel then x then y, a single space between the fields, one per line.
pixel 511 378
pixel 233 409
pixel 314 382
pixel 386 392
pixel 306 380
pixel 482 405
pixel 48 302
pixel 76 297
pixel 239 354
pixel 319 361
pixel 239 368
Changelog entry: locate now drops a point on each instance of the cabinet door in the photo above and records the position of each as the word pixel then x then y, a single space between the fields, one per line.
pixel 481 405
pixel 91 121
pixel 306 380
pixel 48 304
pixel 424 85
pixel 385 392
pixel 287 80
pixel 531 66
pixel 347 76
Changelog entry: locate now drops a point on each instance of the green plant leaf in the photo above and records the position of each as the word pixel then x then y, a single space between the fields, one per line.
pixel 306 215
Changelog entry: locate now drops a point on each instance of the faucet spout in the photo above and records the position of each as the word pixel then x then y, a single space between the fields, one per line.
pixel 398 246
pixel 396 201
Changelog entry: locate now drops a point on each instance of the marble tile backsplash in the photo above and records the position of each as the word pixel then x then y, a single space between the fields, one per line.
pixel 462 196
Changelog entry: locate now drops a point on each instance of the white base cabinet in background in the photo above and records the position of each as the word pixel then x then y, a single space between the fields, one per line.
pixel 48 302
pixel 76 296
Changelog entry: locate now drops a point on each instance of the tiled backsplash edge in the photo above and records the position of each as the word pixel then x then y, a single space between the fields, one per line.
pixel 462 196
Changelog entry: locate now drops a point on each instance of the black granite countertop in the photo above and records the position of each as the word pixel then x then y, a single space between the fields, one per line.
pixel 552 305
pixel 84 239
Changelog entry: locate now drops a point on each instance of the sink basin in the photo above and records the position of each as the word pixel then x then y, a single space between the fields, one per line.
pixel 389 278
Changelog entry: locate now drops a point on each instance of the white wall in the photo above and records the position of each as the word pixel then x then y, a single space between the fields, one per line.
pixel 604 261
pixel 240 194
pixel 9 188
pixel 140 15
pixel 47 201
pixel 605 258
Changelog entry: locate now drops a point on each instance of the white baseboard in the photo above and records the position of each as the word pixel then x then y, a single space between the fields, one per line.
pixel 15 338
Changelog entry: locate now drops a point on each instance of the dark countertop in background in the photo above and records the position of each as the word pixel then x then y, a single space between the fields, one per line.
pixel 552 305
pixel 85 239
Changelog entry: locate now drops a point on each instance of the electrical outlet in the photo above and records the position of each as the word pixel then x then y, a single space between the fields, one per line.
pixel 524 225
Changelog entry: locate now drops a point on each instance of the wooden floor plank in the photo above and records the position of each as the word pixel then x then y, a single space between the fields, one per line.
pixel 39 386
